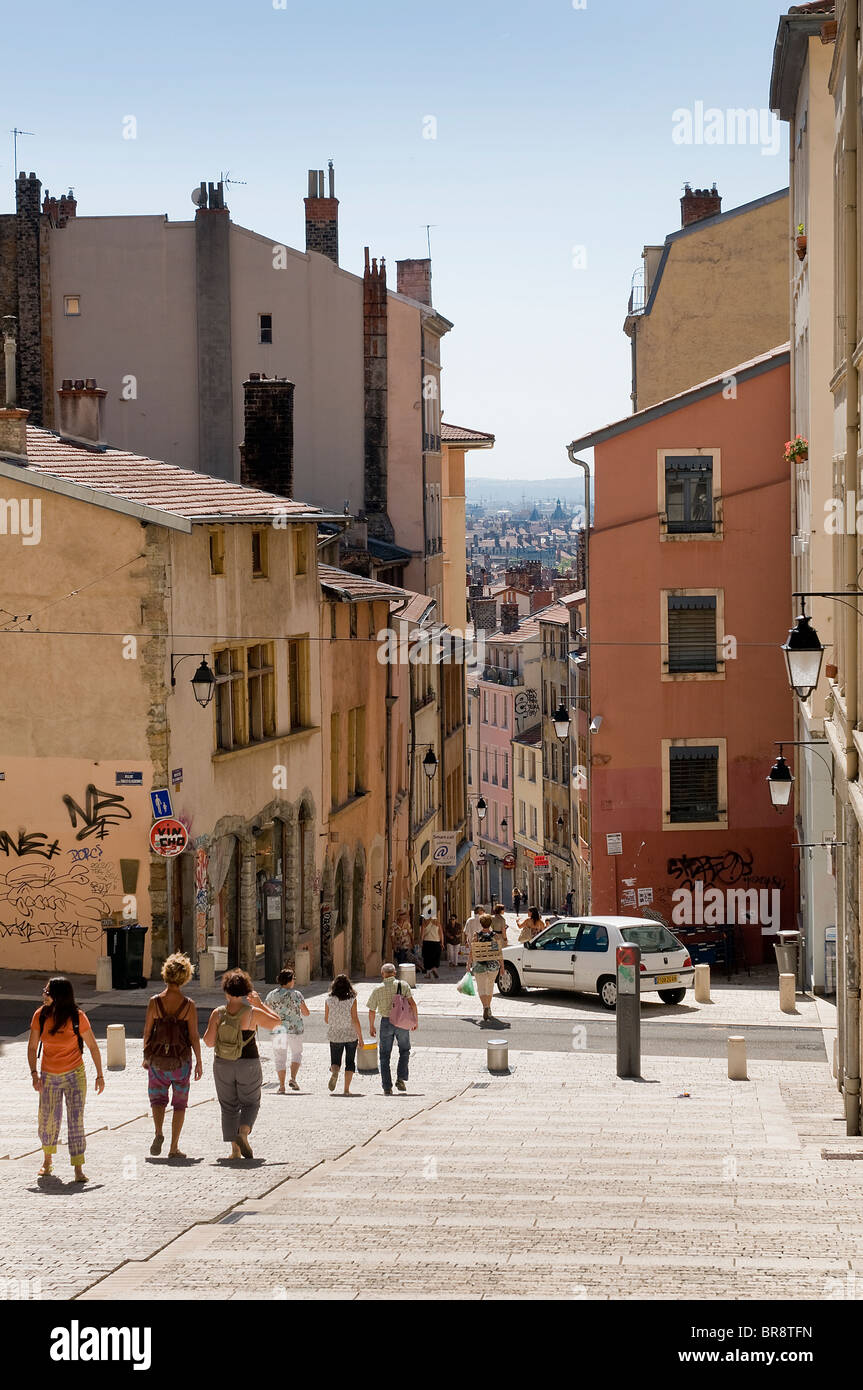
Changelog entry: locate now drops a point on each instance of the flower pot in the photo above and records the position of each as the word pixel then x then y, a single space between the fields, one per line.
pixel 831 672
pixel 801 247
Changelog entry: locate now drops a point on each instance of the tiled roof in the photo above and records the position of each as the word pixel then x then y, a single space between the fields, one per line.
pixel 816 7
pixel 458 434
pixel 532 737
pixel 418 607
pixel 555 613
pixel 527 629
pixel 355 587
pixel 152 483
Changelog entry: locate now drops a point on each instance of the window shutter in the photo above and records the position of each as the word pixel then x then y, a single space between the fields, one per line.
pixel 694 784
pixel 691 633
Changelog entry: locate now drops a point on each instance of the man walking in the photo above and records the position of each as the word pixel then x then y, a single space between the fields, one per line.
pixel 381 1001
pixel 471 927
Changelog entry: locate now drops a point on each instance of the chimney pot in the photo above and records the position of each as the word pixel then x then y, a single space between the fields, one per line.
pixel 698 205
pixel 81 412
pixel 322 215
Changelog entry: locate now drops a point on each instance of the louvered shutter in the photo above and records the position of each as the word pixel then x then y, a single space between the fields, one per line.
pixel 691 633
pixel 694 784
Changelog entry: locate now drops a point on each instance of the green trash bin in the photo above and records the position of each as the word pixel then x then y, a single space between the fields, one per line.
pixel 125 946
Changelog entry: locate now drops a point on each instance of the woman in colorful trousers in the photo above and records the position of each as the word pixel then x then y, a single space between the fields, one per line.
pixel 58 1031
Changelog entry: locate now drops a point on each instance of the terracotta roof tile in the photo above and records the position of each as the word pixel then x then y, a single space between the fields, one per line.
pixel 356 587
pixel 458 434
pixel 152 483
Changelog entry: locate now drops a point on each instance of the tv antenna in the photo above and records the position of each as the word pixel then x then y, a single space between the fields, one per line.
pixel 15 132
pixel 428 226
pixel 226 178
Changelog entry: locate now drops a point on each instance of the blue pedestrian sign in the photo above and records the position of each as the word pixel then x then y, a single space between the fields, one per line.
pixel 161 804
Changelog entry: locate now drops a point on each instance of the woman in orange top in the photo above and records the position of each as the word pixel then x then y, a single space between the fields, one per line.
pixel 63 1029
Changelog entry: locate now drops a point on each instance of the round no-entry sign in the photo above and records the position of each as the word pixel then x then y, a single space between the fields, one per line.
pixel 168 837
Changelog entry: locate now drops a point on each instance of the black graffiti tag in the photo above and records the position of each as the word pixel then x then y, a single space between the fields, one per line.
pixel 726 868
pixel 36 842
pixel 102 810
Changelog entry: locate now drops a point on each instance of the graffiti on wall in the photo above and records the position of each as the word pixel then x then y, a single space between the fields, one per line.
pixel 36 842
pixel 202 896
pixel 727 870
pixel 101 810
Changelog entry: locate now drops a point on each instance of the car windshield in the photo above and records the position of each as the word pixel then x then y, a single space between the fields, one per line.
pixel 651 938
pixel 562 933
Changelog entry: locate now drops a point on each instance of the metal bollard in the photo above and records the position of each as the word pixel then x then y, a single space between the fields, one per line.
pixel 497 1054
pixel 788 994
pixel 116 1045
pixel 737 1059
pixel 408 973
pixel 702 984
pixel 628 1014
pixel 104 981
pixel 207 970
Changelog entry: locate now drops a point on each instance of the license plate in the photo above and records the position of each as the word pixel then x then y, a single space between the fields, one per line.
pixel 666 979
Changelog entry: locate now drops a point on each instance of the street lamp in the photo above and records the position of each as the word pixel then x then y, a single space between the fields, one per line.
pixel 481 808
pixel 430 764
pixel 203 681
pixel 780 780
pixel 803 656
pixel 560 720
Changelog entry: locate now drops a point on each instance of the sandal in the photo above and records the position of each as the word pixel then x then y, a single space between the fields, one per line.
pixel 46 1171
pixel 176 1153
pixel 156 1146
pixel 244 1146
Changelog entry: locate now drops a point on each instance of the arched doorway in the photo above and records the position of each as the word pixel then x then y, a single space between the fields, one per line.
pixel 357 953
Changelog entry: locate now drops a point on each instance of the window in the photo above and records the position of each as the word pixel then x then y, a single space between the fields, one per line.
pixel 533 825
pixel 522 817
pixel 332 622
pixel 357 751
pixel 301 551
pixel 335 758
pixel 694 784
pixel 689 493
pixel 352 620
pixel 260 677
pixel 217 552
pixel 259 554
pixel 298 682
pixel 691 633
pixel 593 938
pixel 494 767
pixel 230 728
pixel 582 821
pixel 553 763
pixel 71 305
pixel 532 757
pixel 505 776
pixel 265 328
pixel 521 760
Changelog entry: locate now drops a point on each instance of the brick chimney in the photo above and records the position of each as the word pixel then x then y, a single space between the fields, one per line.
pixel 322 215
pixel 267 451
pixel 413 280
pixel 28 205
pixel 540 598
pixel 13 422
pixel 509 617
pixel 59 210
pixel 375 486
pixel 81 412
pixel 699 203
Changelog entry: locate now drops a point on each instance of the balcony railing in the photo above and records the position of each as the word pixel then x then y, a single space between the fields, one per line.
pixel 500 676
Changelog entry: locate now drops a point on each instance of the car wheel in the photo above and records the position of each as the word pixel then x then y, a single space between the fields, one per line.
pixel 672 996
pixel 606 988
pixel 508 982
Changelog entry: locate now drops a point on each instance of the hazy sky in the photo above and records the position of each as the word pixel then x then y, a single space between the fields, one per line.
pixel 553 160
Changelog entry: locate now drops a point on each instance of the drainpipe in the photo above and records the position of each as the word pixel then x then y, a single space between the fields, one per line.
pixel 580 463
pixel 852 928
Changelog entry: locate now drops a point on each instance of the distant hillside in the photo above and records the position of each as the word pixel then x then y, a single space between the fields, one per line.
pixel 516 493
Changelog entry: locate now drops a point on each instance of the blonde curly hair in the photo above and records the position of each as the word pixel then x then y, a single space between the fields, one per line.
pixel 177 969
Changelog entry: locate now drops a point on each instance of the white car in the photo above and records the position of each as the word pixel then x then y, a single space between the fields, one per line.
pixel 580 953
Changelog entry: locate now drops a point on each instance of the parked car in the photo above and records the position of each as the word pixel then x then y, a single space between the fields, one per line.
pixel 580 953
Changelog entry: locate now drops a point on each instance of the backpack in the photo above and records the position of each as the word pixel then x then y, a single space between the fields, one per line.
pixel 168 1045
pixel 229 1034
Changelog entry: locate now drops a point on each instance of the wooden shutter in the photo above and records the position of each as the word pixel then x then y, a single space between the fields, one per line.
pixel 691 633
pixel 694 784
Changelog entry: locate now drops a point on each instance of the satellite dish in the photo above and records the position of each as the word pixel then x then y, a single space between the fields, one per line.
pixel 196 197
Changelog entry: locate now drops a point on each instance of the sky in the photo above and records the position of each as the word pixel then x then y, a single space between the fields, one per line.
pixel 535 136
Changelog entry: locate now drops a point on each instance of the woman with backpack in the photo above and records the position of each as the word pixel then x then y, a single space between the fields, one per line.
pixel 237 1065
pixel 170 1038
pixel 59 1030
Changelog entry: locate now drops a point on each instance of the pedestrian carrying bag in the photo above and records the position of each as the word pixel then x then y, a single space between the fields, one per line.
pixel 168 1044
pixel 401 1013
pixel 229 1034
